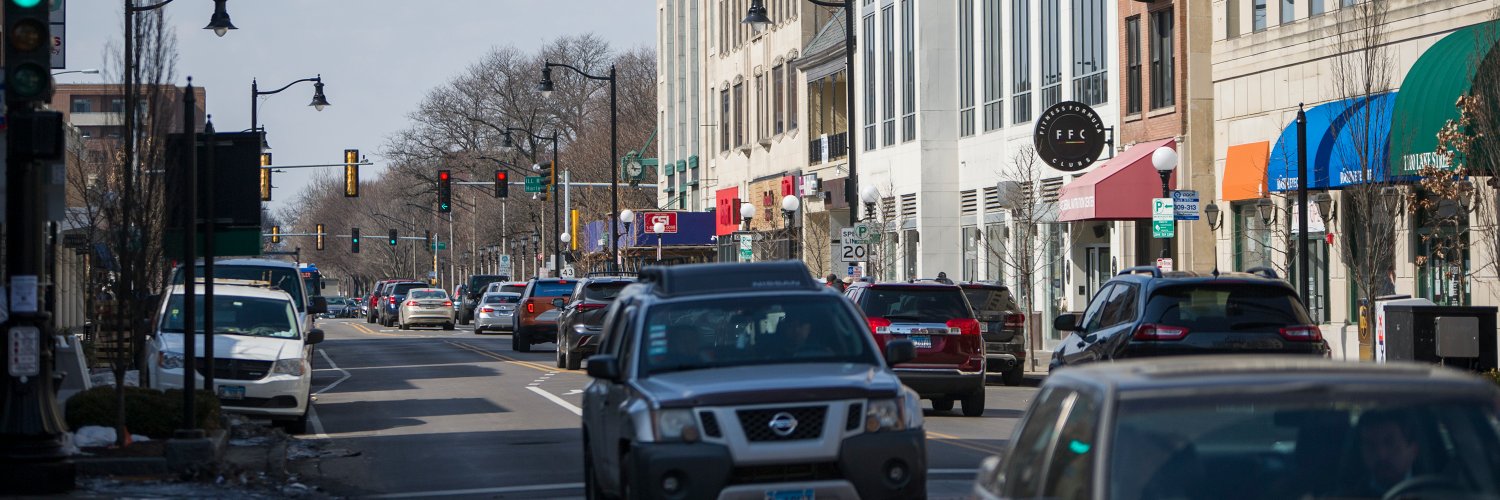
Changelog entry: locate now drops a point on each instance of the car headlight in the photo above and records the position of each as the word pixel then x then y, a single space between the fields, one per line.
pixel 675 425
pixel 169 360
pixel 895 414
pixel 290 366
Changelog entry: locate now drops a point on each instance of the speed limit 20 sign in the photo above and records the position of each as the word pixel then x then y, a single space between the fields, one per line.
pixel 851 247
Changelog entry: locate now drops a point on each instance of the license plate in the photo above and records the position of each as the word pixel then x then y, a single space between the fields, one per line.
pixel 921 341
pixel 231 392
pixel 789 495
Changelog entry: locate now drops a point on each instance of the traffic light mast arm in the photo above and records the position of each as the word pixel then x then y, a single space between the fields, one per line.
pixel 317 166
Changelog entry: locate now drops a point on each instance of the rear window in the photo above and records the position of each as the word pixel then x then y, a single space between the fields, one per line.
pixel 516 288
pixel 925 304
pixel 554 289
pixel 501 299
pixel 479 282
pixel 428 294
pixel 985 300
pixel 402 288
pixel 1247 308
pixel 604 291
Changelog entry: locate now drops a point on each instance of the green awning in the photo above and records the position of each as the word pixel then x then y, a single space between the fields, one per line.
pixel 1428 95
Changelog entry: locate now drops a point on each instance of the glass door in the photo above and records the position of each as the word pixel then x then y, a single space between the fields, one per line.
pixel 1097 267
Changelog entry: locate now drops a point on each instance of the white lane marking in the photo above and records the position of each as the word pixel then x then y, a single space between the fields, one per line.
pixel 560 402
pixel 317 424
pixel 335 366
pixel 482 491
pixel 312 414
pixel 574 391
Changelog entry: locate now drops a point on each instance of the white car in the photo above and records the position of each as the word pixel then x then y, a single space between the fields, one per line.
pixel 496 311
pixel 262 356
pixel 426 306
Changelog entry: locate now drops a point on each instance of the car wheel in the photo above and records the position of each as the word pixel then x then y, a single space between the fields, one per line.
pixel 942 404
pixel 448 326
pixel 405 326
pixel 627 469
pixel 370 318
pixel 1014 377
pixel 558 357
pixel 573 361
pixel 298 426
pixel 974 403
pixel 520 342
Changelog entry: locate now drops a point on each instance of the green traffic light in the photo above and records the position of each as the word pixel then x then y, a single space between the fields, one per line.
pixel 26 3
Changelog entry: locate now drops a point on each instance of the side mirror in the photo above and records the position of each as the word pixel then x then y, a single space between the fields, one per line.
pixel 315 336
pixel 605 367
pixel 558 303
pixel 988 476
pixel 319 305
pixel 1066 322
pixel 900 351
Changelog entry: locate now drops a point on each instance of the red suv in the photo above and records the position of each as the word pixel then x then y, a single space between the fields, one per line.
pixel 937 318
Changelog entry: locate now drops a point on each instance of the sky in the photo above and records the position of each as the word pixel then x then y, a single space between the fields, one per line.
pixel 378 58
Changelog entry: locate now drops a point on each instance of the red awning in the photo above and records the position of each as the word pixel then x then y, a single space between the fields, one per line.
pixel 1119 190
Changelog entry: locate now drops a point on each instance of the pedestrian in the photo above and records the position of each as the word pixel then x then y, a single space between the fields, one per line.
pixel 833 282
pixel 943 278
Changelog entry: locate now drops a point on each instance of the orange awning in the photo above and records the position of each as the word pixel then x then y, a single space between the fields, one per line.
pixel 1245 171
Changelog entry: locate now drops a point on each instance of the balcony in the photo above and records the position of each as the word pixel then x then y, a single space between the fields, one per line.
pixel 838 147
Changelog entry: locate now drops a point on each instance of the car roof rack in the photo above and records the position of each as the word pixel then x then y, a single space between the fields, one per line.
pixel 688 279
pixel 1264 272
pixel 1154 271
pixel 238 282
pixel 620 274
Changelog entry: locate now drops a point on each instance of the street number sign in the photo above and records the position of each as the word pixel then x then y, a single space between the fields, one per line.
pixel 1162 213
pixel 25 351
pixel 567 272
pixel 1185 202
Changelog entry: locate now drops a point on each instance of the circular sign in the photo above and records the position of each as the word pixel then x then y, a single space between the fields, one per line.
pixel 1069 136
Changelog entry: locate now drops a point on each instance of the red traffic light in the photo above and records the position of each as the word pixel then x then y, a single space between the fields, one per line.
pixel 500 176
pixel 443 175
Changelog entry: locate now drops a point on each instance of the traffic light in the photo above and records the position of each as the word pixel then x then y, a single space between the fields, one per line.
pixel 445 192
pixel 548 178
pixel 351 173
pixel 265 177
pixel 354 240
pixel 320 236
pixel 502 184
pixel 393 237
pixel 428 239
pixel 28 52
pixel 275 234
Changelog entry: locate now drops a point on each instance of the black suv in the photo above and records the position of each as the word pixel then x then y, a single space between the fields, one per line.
pixel 937 318
pixel 582 316
pixel 1144 312
pixel 746 381
pixel 1003 326
pixel 473 290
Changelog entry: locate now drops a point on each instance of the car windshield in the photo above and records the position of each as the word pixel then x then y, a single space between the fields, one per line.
pixel 250 316
pixel 401 288
pixel 285 278
pixel 916 304
pixel 604 291
pixel 990 300
pixel 427 294
pixel 1323 443
pixel 1241 308
pixel 336 301
pixel 553 288
pixel 501 299
pixel 759 331
pixel 480 282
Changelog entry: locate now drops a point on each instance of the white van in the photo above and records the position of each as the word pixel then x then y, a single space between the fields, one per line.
pixel 280 274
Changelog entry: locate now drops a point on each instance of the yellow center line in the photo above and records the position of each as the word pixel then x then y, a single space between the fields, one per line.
pixel 950 439
pixel 503 358
pixel 366 330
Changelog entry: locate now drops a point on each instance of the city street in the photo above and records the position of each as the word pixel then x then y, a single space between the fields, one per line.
pixel 432 413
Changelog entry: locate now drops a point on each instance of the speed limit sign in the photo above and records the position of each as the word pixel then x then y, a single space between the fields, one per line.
pixel 853 252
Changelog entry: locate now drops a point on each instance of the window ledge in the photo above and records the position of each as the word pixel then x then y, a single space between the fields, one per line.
pixel 1161 112
pixel 1133 117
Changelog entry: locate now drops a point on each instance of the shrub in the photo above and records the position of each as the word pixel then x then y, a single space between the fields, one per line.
pixel 147 411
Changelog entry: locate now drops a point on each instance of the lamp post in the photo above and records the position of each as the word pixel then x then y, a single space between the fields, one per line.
pixel 1165 161
pixel 789 206
pixel 536 243
pixel 627 217
pixel 545 87
pixel 756 16
pixel 1301 274
pixel 747 212
pixel 658 228
pixel 507 144
pixel 319 101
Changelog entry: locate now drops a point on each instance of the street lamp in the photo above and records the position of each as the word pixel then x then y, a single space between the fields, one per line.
pixel 1214 216
pixel 545 87
pixel 658 228
pixel 1326 209
pixel 757 16
pixel 747 212
pixel 220 20
pixel 1165 161
pixel 319 101
pixel 870 195
pixel 1266 209
pixel 789 205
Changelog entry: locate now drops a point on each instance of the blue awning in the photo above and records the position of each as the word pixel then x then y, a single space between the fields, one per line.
pixel 1333 151
pixel 1359 153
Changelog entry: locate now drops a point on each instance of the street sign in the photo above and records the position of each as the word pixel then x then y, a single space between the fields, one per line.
pixel 567 272
pixel 25 351
pixel 1165 264
pixel 1162 225
pixel 440 245
pixel 667 219
pixel 747 247
pixel 861 231
pixel 533 183
pixel 855 271
pixel 505 264
pixel 853 252
pixel 1185 202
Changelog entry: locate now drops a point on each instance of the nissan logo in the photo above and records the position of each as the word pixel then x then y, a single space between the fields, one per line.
pixel 783 424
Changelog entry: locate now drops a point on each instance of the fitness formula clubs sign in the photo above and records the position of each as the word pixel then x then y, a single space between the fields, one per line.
pixel 1069 136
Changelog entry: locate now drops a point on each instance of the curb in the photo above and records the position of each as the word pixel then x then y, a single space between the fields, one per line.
pixel 121 466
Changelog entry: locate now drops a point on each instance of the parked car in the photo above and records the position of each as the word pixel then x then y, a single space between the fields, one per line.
pixel 1003 326
pixel 581 315
pixel 1145 312
pixel 468 301
pixel 747 381
pixel 377 296
pixel 395 293
pixel 341 307
pixel 426 306
pixel 536 321
pixel 1251 427
pixel 280 274
pixel 936 317
pixel 516 287
pixel 262 356
pixel 497 312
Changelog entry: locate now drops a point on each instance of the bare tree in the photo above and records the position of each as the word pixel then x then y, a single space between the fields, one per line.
pixel 1023 254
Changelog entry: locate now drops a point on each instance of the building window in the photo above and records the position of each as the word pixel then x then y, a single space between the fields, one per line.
pixel 869 76
pixel 724 116
pixel 993 86
pixel 1258 18
pixel 1163 72
pixel 1288 11
pixel 777 84
pixel 888 58
pixel 828 123
pixel 1133 65
pixel 1051 53
pixel 739 114
pixel 791 94
pixel 1315 7
pixel 908 65
pixel 760 107
pixel 82 105
pixel 965 68
pixel 1090 62
pixel 994 249
pixel 1231 19
pixel 971 253
pixel 1020 36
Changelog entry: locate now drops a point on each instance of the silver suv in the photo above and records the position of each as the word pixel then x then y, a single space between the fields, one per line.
pixel 747 381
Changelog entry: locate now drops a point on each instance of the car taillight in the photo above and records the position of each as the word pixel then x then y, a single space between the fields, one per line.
pixel 411 302
pixel 1160 332
pixel 531 307
pixel 879 325
pixel 487 309
pixel 448 303
pixel 1015 320
pixel 965 326
pixel 393 300
pixel 587 306
pixel 1301 333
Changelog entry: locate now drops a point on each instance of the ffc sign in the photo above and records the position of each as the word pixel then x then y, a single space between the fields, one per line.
pixel 1069 136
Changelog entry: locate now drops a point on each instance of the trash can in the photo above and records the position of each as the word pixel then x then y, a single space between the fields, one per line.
pixel 1454 336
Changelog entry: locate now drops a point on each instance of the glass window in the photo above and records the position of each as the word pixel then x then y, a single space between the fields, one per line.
pixel 791 94
pixel 250 316
pixel 604 291
pixel 1133 65
pixel 1258 17
pixel 285 278
pixel 1107 310
pixel 1091 316
pixel 909 69
pixel 778 103
pixel 553 288
pixel 971 253
pixel 501 298
pixel 1163 60
pixel 994 90
pixel 1252 238
pixel 1090 61
pixel 922 304
pixel 724 114
pixel 888 55
pixel 1232 19
pixel 757 331
pixel 1027 460
pixel 965 68
pixel 1288 11
pixel 1070 468
pixel 760 108
pixel 869 76
pixel 817 109
pixel 117 105
pixel 1052 72
pixel 428 294
pixel 740 120
pixel 82 105
pixel 1239 308
pixel 1020 35
pixel 995 248
pixel 1315 7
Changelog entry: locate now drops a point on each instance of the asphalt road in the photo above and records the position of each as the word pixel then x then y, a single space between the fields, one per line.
pixel 432 413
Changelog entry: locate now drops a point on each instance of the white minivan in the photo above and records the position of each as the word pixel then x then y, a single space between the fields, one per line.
pixel 281 274
pixel 262 354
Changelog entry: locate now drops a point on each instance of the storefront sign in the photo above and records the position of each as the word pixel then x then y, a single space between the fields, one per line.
pixel 1069 136
pixel 668 220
